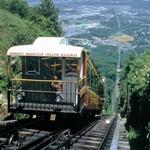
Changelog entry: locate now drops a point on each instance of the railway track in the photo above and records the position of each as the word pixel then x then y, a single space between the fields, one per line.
pixel 31 139
pixel 95 136
pixel 22 135
pixel 11 131
pixel 9 127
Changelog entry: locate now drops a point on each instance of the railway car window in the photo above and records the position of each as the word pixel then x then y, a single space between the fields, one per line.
pixel 89 75
pixel 71 67
pixel 16 66
pixel 92 80
pixel 51 67
pixel 32 66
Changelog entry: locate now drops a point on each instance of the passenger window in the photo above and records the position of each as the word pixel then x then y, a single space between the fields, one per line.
pixel 71 67
pixel 55 65
pixel 32 66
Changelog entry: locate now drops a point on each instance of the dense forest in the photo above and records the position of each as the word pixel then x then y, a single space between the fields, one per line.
pixel 22 24
pixel 135 100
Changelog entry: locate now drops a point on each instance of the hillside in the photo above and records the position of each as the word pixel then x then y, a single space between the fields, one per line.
pixel 22 24
pixel 14 30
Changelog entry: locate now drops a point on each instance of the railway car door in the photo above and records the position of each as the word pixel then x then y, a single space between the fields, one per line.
pixel 70 76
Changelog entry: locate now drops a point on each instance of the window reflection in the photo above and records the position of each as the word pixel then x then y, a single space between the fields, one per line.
pixel 71 67
pixel 51 67
pixel 32 66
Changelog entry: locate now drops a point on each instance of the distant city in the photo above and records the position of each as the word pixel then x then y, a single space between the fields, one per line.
pixel 100 20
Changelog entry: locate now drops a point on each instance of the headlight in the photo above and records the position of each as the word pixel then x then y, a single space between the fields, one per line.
pixel 19 96
pixel 58 98
pixel 23 93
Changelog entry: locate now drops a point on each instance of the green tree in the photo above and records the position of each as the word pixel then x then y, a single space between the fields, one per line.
pixel 135 98
pixel 19 7
pixel 50 12
pixel 22 24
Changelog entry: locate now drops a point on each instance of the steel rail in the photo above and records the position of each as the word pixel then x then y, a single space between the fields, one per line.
pixel 101 147
pixel 48 140
pixel 16 126
pixel 73 139
pixel 68 143
pixel 39 141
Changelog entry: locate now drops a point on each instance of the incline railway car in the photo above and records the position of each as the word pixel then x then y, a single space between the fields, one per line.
pixel 50 76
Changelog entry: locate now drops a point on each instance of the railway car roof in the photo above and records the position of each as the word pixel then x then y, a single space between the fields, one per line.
pixel 47 47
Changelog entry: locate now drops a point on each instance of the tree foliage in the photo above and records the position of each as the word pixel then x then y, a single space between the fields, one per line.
pixel 47 10
pixel 44 15
pixel 19 7
pixel 22 24
pixel 135 97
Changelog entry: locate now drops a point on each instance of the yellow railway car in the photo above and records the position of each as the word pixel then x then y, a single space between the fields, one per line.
pixel 50 76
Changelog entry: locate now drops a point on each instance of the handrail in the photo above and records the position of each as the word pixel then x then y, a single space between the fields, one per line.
pixel 36 91
pixel 82 79
pixel 35 80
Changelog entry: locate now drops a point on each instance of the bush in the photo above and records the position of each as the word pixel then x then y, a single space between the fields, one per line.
pixel 132 134
pixel 20 116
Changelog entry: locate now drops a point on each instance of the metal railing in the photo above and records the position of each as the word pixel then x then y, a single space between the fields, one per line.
pixel 34 94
